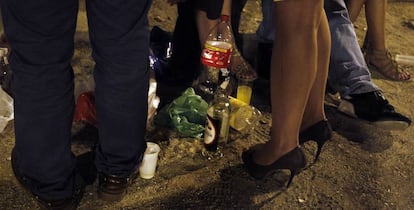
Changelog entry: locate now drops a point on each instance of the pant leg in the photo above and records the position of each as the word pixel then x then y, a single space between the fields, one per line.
pixel 348 72
pixel 211 7
pixel 40 33
pixel 119 37
pixel 185 60
pixel 266 29
pixel 236 10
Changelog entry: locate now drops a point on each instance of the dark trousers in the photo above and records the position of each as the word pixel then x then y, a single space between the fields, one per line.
pixel 185 60
pixel 41 34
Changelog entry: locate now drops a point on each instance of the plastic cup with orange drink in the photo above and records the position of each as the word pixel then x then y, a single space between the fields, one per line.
pixel 244 90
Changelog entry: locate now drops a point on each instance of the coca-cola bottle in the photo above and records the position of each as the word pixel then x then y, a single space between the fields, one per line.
pixel 215 59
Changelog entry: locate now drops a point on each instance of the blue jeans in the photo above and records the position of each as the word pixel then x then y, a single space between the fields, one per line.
pixel 41 35
pixel 348 72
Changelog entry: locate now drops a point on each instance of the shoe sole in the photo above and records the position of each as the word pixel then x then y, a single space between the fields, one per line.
pixel 348 109
pixel 391 125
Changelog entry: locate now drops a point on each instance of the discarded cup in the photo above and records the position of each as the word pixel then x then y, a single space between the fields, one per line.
pixel 149 162
pixel 244 90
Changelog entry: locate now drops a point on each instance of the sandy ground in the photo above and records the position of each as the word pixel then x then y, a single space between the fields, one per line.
pixel 362 167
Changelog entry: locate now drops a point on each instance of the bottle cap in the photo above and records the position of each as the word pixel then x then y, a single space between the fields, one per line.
pixel 225 18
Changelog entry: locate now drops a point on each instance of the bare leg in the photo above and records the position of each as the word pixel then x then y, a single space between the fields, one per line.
pixel 293 73
pixel 354 8
pixel 375 14
pixel 376 53
pixel 314 111
pixel 226 10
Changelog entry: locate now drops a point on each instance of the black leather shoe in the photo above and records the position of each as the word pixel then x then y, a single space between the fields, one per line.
pixel 70 203
pixel 373 107
pixel 114 188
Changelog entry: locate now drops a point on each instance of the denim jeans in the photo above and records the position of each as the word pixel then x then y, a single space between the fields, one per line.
pixel 41 35
pixel 348 72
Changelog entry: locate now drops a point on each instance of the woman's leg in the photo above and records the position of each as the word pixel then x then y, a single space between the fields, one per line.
pixel 314 111
pixel 375 15
pixel 354 8
pixel 293 73
pixel 376 53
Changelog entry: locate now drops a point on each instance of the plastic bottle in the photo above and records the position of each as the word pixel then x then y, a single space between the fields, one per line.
pixel 243 117
pixel 215 59
pixel 218 115
pixel 405 59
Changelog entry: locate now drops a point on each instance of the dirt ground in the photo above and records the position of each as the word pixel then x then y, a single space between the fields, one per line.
pixel 362 167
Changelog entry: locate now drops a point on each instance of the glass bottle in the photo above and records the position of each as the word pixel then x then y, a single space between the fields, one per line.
pixel 217 123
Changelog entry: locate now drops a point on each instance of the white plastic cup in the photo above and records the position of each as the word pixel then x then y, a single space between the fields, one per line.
pixel 405 59
pixel 149 162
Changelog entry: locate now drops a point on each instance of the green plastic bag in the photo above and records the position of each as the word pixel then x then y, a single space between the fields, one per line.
pixel 187 114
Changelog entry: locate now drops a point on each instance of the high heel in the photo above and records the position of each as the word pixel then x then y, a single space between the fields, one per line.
pixel 320 132
pixel 294 161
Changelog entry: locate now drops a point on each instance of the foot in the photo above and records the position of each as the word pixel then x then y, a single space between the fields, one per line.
pixel 373 107
pixel 293 160
pixel 114 188
pixel 382 62
pixel 70 203
pixel 241 68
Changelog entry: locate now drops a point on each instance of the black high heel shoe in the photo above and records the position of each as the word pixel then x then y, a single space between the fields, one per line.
pixel 320 132
pixel 294 161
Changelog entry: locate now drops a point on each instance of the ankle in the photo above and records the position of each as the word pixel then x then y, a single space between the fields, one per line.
pixel 308 122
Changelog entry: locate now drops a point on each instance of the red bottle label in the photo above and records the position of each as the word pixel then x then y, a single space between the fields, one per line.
pixel 216 54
